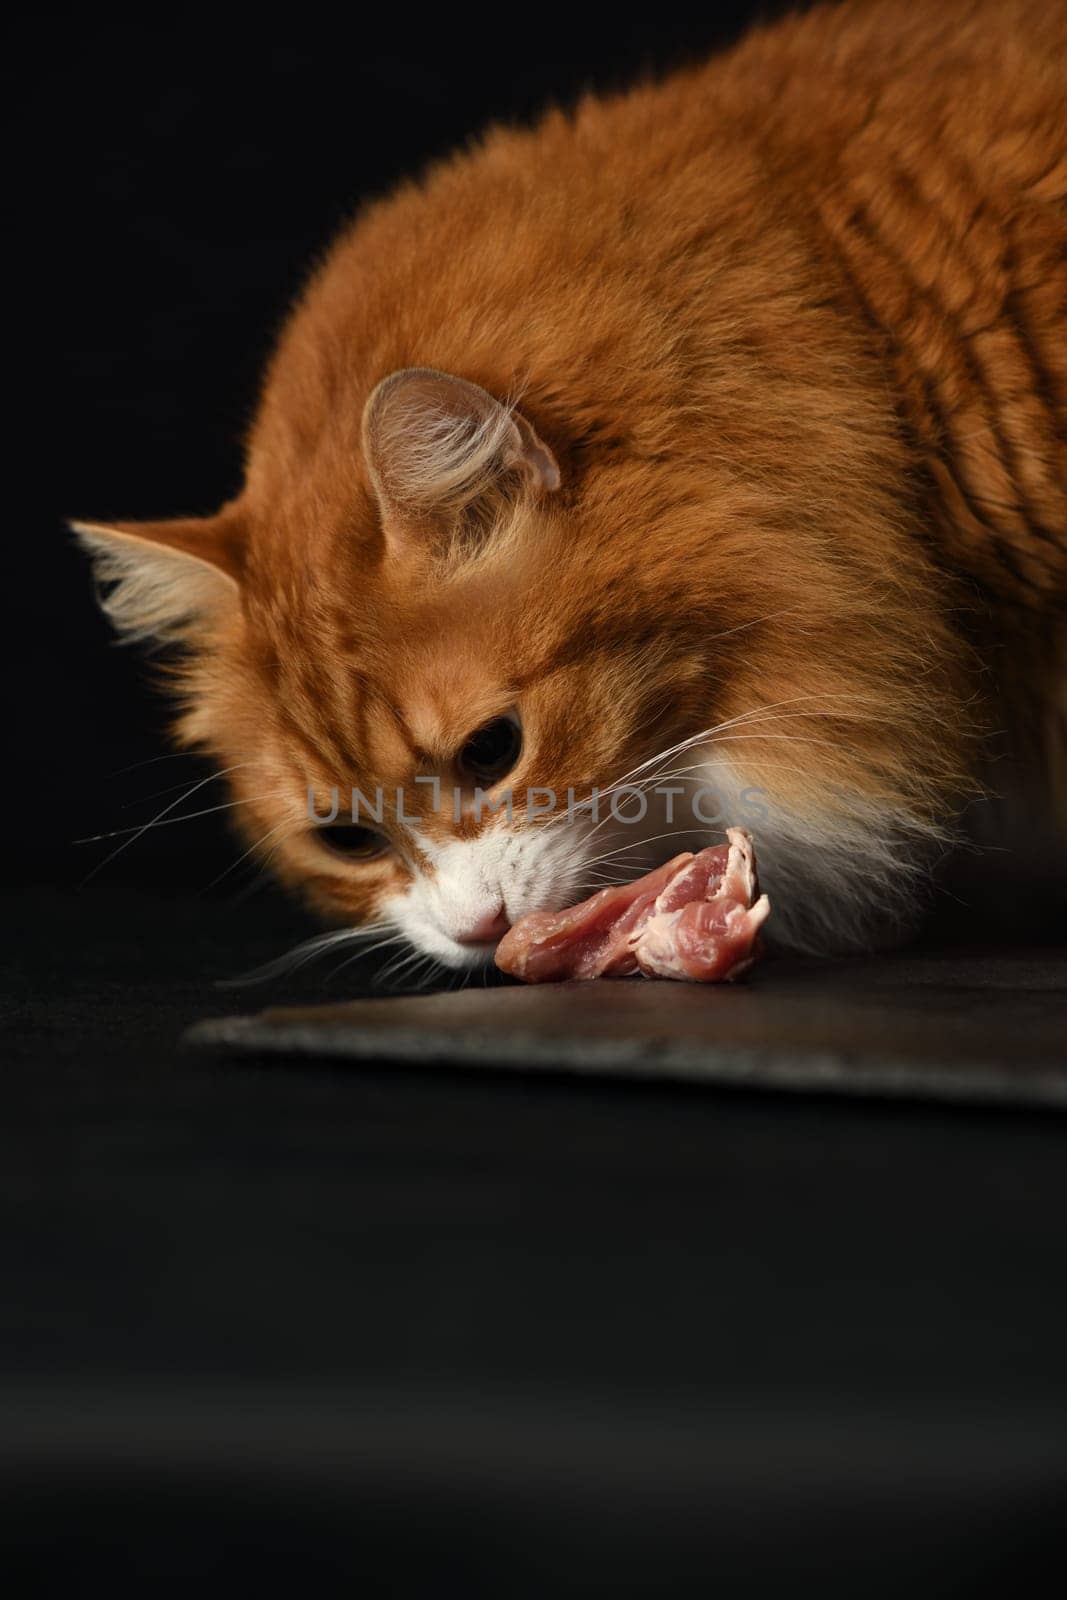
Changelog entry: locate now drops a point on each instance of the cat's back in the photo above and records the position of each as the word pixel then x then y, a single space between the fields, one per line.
pixel 696 239
pixel 932 152
pixel 911 162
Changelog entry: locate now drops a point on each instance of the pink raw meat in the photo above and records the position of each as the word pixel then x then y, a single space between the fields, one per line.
pixel 697 917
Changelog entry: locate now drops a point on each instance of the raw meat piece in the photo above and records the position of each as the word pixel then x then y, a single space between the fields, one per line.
pixel 697 917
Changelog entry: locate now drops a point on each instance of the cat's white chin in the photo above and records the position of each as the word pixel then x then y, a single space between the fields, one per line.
pixel 515 869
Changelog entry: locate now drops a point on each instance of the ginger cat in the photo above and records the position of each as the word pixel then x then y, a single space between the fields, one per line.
pixel 712 435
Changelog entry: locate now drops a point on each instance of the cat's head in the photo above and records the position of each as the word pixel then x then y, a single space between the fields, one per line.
pixel 430 627
pixel 414 682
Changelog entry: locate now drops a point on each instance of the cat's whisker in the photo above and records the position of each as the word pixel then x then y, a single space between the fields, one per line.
pixel 360 955
pixel 253 849
pixel 669 833
pixel 634 852
pixel 163 821
pixel 743 627
pixel 611 859
pixel 135 766
pixel 399 965
pixel 774 738
pixel 261 877
pixel 433 968
pixel 299 957
pixel 757 711
pixel 772 712
pixel 640 785
pixel 157 794
pixel 382 975
pixel 157 820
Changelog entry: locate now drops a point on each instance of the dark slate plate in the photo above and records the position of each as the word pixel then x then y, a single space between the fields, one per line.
pixel 984 1027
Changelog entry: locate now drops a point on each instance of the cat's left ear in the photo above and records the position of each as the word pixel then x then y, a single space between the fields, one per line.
pixel 164 580
pixel 435 445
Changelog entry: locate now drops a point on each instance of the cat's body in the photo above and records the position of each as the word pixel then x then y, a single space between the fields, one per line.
pixel 786 342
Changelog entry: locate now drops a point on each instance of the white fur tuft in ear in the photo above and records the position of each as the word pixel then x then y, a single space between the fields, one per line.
pixel 156 588
pixel 435 444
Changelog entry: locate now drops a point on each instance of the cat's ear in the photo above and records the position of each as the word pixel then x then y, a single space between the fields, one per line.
pixel 163 580
pixel 436 445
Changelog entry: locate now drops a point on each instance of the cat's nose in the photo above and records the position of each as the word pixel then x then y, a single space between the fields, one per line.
pixel 493 925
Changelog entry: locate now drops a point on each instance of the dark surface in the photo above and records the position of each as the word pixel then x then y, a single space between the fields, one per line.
pixel 979 1026
pixel 536 1334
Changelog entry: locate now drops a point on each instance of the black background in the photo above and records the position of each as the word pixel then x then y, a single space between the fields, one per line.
pixel 298 1321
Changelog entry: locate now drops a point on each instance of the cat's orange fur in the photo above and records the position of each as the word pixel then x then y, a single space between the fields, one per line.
pixel 794 326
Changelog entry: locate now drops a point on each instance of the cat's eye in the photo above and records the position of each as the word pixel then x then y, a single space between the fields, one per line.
pixel 352 841
pixel 492 751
